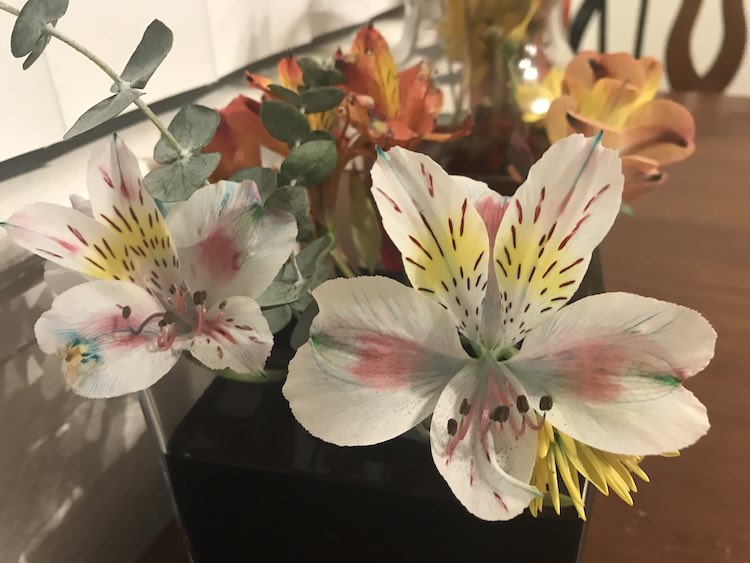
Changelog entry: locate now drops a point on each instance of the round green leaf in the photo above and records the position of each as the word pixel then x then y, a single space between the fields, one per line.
pixel 148 55
pixel 180 179
pixel 103 111
pixel 283 122
pixel 193 127
pixel 265 178
pixel 310 163
pixel 29 26
pixel 285 94
pixel 317 100
pixel 278 317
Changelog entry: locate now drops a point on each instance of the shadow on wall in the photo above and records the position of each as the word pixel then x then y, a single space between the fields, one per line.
pixel 79 479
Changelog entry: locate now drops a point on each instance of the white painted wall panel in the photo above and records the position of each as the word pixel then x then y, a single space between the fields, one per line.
pixel 212 39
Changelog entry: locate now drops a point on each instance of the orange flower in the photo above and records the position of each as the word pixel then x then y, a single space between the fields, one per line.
pixel 239 137
pixel 386 106
pixel 615 93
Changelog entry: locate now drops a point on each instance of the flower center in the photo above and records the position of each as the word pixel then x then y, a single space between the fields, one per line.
pixel 492 408
pixel 184 312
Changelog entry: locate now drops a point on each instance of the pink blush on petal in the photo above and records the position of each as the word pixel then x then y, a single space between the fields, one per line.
pixel 219 256
pixel 594 370
pixel 386 362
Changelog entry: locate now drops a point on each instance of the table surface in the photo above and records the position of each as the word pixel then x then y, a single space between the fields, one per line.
pixel 689 242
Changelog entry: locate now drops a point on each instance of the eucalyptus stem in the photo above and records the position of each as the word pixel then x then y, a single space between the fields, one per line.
pixel 51 30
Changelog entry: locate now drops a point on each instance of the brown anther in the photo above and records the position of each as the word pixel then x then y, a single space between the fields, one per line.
pixel 222 304
pixel 501 413
pixel 522 404
pixel 168 318
pixel 199 297
pixel 126 310
pixel 545 403
pixel 465 407
pixel 452 426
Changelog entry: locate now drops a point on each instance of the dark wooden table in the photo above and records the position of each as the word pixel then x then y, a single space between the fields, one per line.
pixel 689 242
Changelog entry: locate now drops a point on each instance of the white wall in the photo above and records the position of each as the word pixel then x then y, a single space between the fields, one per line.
pixel 212 39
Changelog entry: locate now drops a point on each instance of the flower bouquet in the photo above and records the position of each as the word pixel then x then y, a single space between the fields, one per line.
pixel 476 354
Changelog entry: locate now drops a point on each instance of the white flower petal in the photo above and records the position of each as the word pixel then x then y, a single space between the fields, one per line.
pixel 228 242
pixel 488 468
pixel 139 233
pixel 102 356
pixel 440 235
pixel 491 207
pixel 378 356
pixel 67 237
pixel 614 366
pixel 235 336
pixel 554 221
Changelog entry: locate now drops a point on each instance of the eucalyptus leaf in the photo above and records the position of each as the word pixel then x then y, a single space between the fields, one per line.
pixel 29 27
pixel 103 111
pixel 313 254
pixel 293 199
pixel 283 121
pixel 281 293
pixel 310 163
pixel 322 273
pixel 148 55
pixel 194 126
pixel 315 76
pixel 277 317
pixel 318 135
pixel 37 51
pixel 306 63
pixel 286 287
pixel 285 94
pixel 180 179
pixel 301 331
pixel 335 76
pixel 321 99
pixel 265 178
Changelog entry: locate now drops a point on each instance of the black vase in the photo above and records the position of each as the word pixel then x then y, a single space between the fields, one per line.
pixel 250 484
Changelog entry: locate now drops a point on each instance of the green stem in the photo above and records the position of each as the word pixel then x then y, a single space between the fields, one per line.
pixel 51 30
pixel 342 265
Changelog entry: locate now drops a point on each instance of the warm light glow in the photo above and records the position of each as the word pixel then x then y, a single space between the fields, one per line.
pixel 540 106
pixel 530 74
pixel 524 63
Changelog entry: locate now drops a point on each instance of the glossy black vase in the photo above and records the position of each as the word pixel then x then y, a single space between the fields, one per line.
pixel 250 484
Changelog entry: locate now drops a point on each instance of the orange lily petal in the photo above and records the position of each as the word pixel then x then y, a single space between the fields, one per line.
pixel 239 137
pixel 662 130
pixel 421 101
pixel 290 73
pixel 371 70
pixel 556 120
pixel 259 82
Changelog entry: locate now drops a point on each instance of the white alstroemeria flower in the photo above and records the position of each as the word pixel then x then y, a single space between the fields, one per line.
pixel 158 286
pixel 607 370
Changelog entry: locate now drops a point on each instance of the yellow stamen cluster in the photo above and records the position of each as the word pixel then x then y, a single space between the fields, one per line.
pixel 561 457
